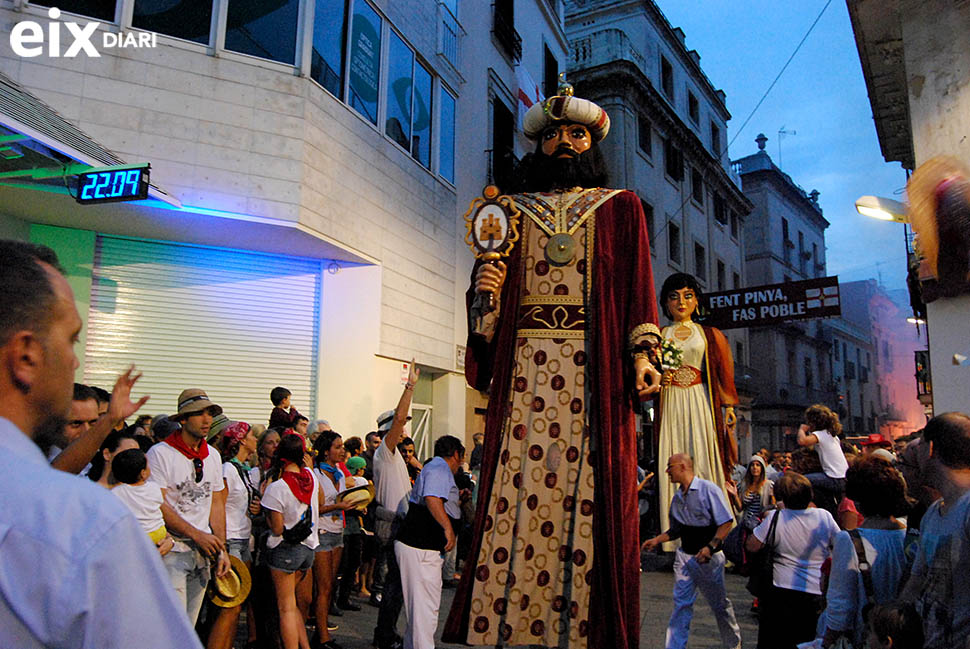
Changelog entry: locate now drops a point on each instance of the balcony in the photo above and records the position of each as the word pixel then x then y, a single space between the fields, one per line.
pixel 505 34
pixel 450 32
pixel 606 46
pixel 849 370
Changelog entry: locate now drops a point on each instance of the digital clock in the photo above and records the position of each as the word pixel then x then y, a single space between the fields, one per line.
pixel 113 184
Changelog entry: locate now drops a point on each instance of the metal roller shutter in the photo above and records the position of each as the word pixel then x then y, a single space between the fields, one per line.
pixel 231 322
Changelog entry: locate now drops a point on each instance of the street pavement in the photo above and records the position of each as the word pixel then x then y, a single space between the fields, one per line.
pixel 357 628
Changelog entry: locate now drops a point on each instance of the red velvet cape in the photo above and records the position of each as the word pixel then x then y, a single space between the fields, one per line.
pixel 622 296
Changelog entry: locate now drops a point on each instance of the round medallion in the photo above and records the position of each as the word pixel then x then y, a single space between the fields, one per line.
pixel 561 249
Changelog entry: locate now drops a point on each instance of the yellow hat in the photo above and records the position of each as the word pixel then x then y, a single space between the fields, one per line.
pixel 231 589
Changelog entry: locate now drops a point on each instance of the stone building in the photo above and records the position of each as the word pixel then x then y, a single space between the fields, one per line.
pixel 784 242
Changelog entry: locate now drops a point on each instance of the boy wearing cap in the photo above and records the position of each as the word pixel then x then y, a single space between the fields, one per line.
pixel 189 472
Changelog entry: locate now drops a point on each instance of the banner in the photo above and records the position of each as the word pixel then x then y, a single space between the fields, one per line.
pixel 774 303
pixel 528 92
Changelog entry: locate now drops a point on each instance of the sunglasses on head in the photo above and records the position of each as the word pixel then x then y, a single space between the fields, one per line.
pixel 197 464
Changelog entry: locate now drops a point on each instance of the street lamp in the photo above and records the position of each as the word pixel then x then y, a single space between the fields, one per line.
pixel 885 209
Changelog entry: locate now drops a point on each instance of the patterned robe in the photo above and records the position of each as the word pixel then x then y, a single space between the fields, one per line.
pixel 556 530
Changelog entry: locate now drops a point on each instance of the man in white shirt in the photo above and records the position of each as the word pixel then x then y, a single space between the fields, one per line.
pixel 392 486
pixel 76 568
pixel 189 471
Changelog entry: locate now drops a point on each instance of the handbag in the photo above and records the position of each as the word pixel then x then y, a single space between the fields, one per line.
pixel 733 546
pixel 301 530
pixel 761 565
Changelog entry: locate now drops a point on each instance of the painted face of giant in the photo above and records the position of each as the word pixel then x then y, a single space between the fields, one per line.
pixel 565 140
pixel 682 303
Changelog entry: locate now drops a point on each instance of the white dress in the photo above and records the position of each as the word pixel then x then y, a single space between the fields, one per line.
pixel 687 422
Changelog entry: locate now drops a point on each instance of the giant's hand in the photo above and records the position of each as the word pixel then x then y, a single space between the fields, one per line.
pixel 730 419
pixel 490 278
pixel 647 376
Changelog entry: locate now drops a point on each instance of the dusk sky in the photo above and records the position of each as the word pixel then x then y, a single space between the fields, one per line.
pixel 821 97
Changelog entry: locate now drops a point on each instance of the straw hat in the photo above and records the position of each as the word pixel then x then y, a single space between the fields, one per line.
pixel 361 496
pixel 231 589
pixel 194 400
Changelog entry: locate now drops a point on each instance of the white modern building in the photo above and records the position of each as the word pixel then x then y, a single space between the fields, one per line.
pixel 310 162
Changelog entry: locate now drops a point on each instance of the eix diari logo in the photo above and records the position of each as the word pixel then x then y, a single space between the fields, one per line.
pixel 27 38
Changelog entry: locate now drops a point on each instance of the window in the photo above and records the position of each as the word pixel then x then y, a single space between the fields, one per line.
pixel 693 107
pixel 673 161
pixel 266 30
pixel 648 214
pixel 550 72
pixel 809 373
pixel 700 261
pixel 328 54
pixel 503 28
pixel 735 224
pixel 720 275
pixel 400 66
pixel 365 60
pixel 720 210
pixel 666 77
pixel 735 280
pixel 100 9
pixel 739 352
pixel 817 270
pixel 190 21
pixel 446 141
pixel 786 243
pixel 673 242
pixel 715 140
pixel 696 186
pixel 503 142
pixel 835 349
pixel 801 253
pixel 645 134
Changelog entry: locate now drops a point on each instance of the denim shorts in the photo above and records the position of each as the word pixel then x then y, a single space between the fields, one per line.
pixel 239 548
pixel 330 541
pixel 290 557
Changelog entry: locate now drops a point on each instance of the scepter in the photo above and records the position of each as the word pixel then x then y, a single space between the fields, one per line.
pixel 493 227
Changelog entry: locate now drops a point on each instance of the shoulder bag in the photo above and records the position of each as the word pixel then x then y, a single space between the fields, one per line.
pixel 761 564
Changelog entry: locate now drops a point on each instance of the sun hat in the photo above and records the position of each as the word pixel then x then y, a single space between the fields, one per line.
pixel 231 589
pixel 193 400
pixel 360 496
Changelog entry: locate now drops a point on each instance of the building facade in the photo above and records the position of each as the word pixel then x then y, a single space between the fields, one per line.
pixel 917 71
pixel 785 242
pixel 668 144
pixel 309 165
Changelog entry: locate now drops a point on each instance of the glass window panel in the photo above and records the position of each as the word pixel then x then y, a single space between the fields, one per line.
pixel 190 20
pixel 400 63
pixel 329 36
pixel 446 146
pixel 263 28
pixel 365 60
pixel 100 9
pixel 421 129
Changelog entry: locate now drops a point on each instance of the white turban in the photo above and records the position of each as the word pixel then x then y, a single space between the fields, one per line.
pixel 566 108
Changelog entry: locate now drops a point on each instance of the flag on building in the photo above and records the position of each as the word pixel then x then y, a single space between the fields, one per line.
pixel 528 94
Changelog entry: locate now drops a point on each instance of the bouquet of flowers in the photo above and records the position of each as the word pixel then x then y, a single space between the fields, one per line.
pixel 671 356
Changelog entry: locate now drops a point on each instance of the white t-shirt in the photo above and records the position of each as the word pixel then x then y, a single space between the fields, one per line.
pixel 331 521
pixel 238 523
pixel 175 473
pixel 830 454
pixel 279 498
pixel 392 484
pixel 803 538
pixel 144 501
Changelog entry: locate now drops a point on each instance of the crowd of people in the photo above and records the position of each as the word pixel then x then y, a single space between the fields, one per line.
pixel 844 547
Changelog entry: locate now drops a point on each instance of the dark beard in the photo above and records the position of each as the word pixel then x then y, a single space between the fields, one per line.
pixel 538 172
pixel 50 432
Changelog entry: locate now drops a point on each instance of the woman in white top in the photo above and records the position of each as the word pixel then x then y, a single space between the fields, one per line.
pixel 237 445
pixel 329 447
pixel 801 542
pixel 821 430
pixel 291 501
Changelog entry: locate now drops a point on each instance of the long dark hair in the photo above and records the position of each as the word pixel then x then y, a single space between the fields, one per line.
pixel 676 282
pixel 292 448
pixel 110 444
pixel 324 443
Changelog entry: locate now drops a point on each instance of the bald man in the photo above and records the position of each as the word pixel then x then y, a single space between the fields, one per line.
pixel 701 519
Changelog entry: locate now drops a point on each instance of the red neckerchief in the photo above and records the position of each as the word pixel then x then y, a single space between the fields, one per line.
pixel 301 484
pixel 175 441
